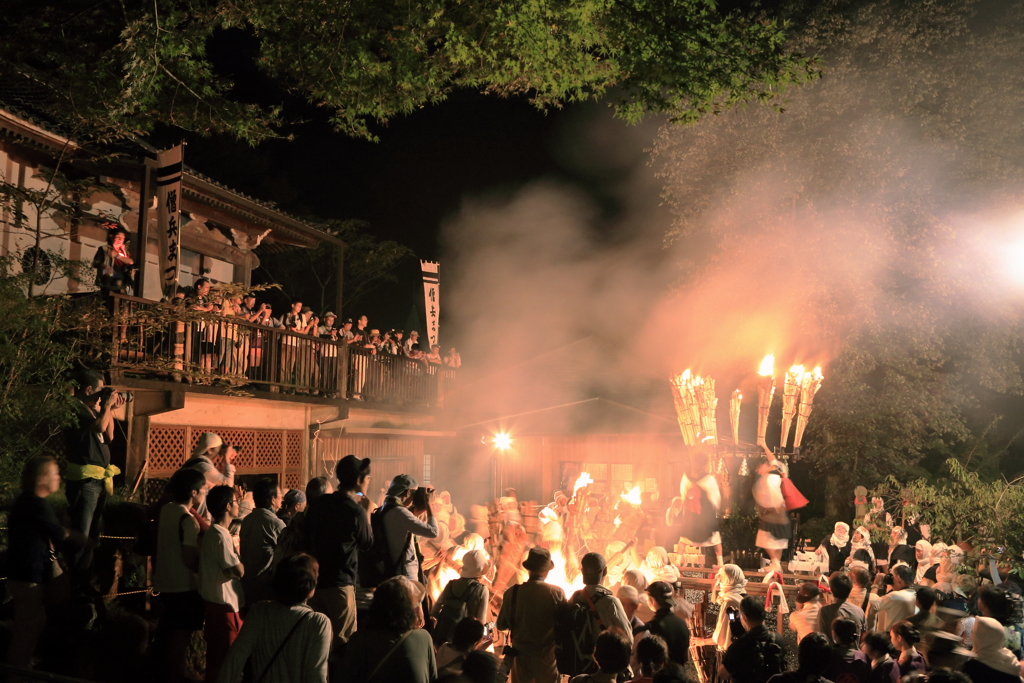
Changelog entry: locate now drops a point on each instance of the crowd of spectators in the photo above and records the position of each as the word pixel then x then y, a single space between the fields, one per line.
pixel 215 345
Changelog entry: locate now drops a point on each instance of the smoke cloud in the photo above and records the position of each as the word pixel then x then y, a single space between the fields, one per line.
pixel 888 193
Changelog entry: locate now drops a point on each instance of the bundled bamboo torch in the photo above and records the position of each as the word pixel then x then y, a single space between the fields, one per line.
pixel 790 394
pixel 681 395
pixel 765 394
pixel 808 388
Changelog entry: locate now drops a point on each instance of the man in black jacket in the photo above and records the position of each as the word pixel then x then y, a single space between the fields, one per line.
pixel 666 623
pixel 757 655
pixel 338 528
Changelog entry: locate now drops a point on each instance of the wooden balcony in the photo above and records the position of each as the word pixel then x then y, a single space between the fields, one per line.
pixel 172 343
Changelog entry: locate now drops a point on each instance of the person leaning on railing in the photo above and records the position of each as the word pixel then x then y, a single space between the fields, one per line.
pixel 329 354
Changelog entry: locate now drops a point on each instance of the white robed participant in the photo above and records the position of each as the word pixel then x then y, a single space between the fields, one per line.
pixel 774 530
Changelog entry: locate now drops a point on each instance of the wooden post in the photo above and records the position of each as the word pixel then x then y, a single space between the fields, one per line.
pixel 142 235
pixel 340 274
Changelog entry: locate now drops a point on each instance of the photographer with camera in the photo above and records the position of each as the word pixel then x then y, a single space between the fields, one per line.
pixel 901 602
pixel 412 516
pixel 89 476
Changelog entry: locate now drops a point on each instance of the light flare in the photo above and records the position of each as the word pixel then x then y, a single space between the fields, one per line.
pixel 502 441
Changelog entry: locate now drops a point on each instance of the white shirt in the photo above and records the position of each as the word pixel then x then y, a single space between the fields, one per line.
pixel 176 529
pixel 216 555
pixel 896 606
pixel 805 620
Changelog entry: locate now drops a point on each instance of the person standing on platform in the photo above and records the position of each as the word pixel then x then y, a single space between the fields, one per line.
pixel 89 474
pixel 774 530
pixel 701 502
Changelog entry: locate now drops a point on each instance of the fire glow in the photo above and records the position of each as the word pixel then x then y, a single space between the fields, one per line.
pixel 633 497
pixel 583 480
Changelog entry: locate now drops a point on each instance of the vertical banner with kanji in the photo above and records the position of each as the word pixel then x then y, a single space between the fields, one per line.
pixel 168 213
pixel 430 297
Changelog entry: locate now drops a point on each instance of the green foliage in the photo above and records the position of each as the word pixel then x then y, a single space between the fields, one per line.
pixel 739 530
pixel 312 274
pixel 127 66
pixel 42 339
pixel 983 516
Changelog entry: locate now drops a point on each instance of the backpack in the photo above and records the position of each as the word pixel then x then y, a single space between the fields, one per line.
pixel 767 661
pixel 454 609
pixel 577 626
pixel 376 564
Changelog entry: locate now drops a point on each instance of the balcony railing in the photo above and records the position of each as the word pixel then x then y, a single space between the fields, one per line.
pixel 171 342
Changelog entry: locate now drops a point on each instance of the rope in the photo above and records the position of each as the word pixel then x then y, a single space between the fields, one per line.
pixel 144 590
pixel 109 538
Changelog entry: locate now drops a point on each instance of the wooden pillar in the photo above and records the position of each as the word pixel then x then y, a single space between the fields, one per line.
pixel 138 449
pixel 142 235
pixel 340 263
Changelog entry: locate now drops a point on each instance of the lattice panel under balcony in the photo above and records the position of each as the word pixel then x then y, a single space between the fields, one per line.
pixel 154 488
pixel 293 456
pixel 269 449
pixel 292 480
pixel 166 448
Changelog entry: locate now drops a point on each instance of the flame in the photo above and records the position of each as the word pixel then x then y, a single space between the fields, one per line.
pixel 440 579
pixel 817 374
pixel 798 371
pixel 558 575
pixel 633 497
pixel 583 480
pixel 767 368
pixel 618 521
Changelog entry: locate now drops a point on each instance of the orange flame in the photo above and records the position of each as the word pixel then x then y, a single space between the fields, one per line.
pixel 798 371
pixel 633 497
pixel 767 368
pixel 817 373
pixel 583 480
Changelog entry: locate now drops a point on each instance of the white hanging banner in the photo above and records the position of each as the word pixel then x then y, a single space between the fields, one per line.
pixel 431 284
pixel 168 215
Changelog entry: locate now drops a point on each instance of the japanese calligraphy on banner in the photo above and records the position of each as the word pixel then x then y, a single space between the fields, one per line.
pixel 430 297
pixel 168 216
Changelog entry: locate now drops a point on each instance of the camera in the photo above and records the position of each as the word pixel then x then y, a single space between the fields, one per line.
pixel 887 580
pixel 510 651
pixel 421 497
pixel 126 396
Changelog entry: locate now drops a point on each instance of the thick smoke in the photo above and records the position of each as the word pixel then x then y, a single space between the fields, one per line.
pixel 885 194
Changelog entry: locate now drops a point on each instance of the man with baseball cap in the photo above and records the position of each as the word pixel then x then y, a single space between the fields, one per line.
pixel 338 527
pixel 610 613
pixel 401 524
pixel 528 613
pixel 666 623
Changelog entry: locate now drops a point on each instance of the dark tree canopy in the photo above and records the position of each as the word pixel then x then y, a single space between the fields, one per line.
pixel 127 65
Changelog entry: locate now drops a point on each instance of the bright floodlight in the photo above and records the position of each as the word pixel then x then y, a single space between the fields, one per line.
pixel 1013 260
pixel 502 441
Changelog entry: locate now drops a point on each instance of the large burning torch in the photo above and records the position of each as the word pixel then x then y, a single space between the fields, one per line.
pixel 734 416
pixel 686 409
pixel 765 394
pixel 790 394
pixel 809 387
